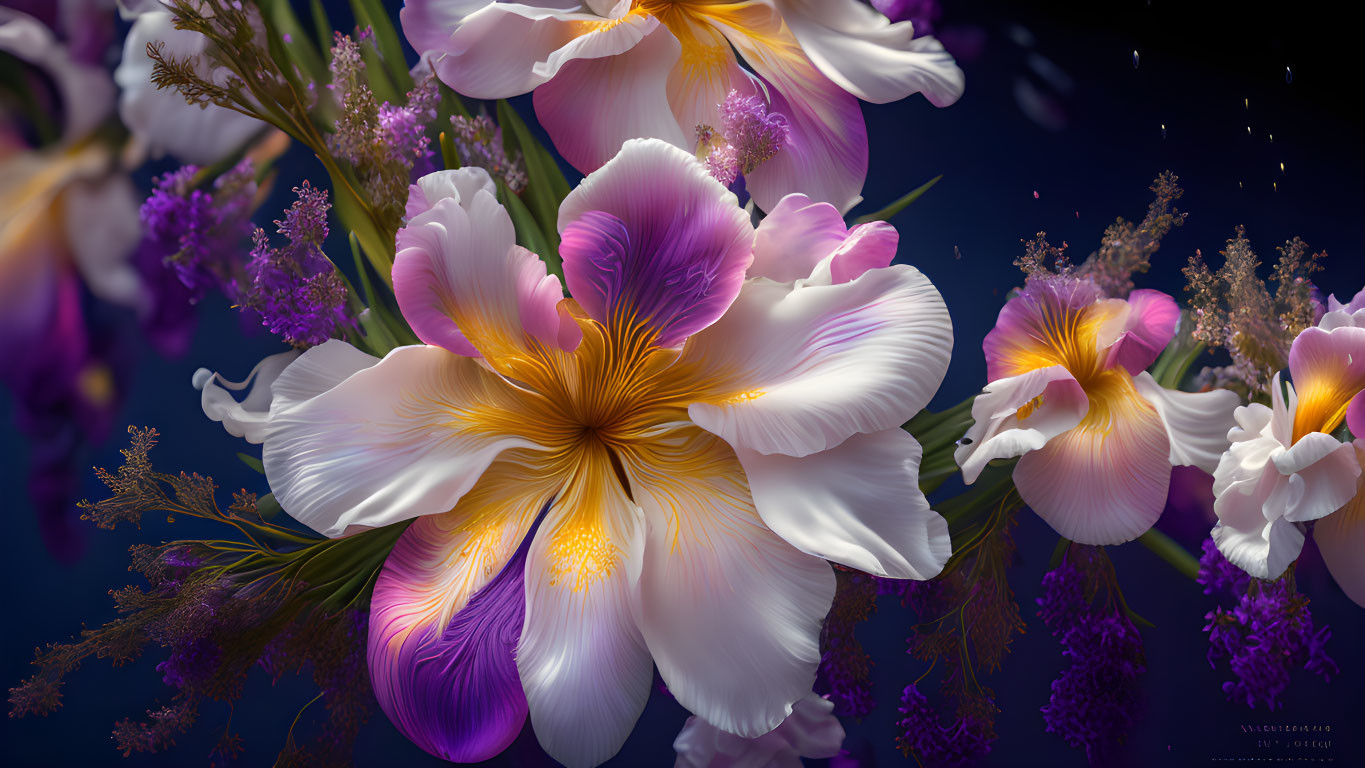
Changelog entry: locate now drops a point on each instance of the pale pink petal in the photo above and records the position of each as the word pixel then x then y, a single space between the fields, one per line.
pixel 1050 322
pixel 488 50
pixel 857 504
pixel 1197 423
pixel 405 437
pixel 797 369
pixel 796 235
pixel 1328 370
pixel 1355 415
pixel 871 58
pixel 811 731
pixel 461 281
pixel 652 240
pixel 582 660
pixel 1341 539
pixel 1105 481
pixel 1146 328
pixel 86 92
pixel 730 611
pixel 1018 414
pixel 594 105
pixel 446 614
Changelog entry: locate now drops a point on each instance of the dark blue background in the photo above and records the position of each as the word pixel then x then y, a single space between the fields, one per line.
pixel 1197 67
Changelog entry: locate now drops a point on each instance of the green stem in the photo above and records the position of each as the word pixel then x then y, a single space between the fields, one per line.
pixel 1167 549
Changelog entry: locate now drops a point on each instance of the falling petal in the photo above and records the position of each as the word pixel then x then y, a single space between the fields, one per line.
pixel 1288 75
pixel 1135 58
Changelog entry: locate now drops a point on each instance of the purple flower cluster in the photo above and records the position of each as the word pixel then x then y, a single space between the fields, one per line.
pixel 963 742
pixel 1266 635
pixel 845 671
pixel 478 142
pixel 749 136
pixel 198 232
pixel 298 292
pixel 193 241
pixel 1095 701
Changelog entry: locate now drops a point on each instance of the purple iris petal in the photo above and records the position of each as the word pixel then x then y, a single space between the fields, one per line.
pixel 664 274
pixel 454 693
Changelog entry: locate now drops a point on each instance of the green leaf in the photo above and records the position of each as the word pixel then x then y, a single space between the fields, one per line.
pixel 529 234
pixel 899 205
pixel 299 48
pixel 322 29
pixel 448 156
pixel 251 461
pixel 268 506
pixel 546 186
pixel 371 13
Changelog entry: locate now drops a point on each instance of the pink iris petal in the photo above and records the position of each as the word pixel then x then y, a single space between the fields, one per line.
pixel 1355 415
pixel 652 238
pixel 461 281
pixel 453 690
pixel 1341 538
pixel 1148 327
pixel 793 240
pixel 595 104
pixel 1017 333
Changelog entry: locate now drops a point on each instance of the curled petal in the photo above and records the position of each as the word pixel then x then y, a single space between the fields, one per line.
pixel 871 58
pixel 403 438
pixel 488 50
pixel 730 611
pixel 1141 331
pixel 463 283
pixel 1318 476
pixel 1264 549
pixel 811 731
pixel 446 616
pixel 803 239
pixel 1018 414
pixel 247 418
pixel 1197 423
pixel 653 239
pixel 87 94
pixel 799 368
pixel 857 504
pixel 582 660
pixel 1105 481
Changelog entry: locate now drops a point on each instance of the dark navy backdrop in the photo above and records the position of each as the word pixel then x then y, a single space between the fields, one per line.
pixel 1079 149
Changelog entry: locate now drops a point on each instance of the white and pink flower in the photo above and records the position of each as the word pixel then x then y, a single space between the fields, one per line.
pixel 1285 468
pixel 607 71
pixel 653 472
pixel 1070 395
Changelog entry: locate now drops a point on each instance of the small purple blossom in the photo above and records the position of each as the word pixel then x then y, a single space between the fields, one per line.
pixel 197 232
pixel 747 137
pixel 845 671
pixel 478 142
pixel 963 742
pixel 1265 636
pixel 298 292
pixel 1096 699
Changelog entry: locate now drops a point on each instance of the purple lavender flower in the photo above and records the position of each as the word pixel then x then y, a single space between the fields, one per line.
pixel 197 232
pixel 1095 701
pixel 845 671
pixel 755 134
pixel 298 292
pixel 963 742
pixel 1266 635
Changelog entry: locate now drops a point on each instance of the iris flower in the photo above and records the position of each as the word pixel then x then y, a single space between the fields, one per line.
pixel 1070 395
pixel 655 470
pixel 606 71
pixel 1285 467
